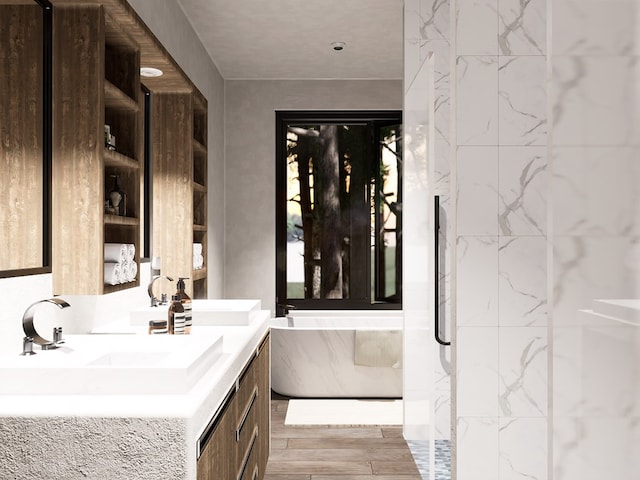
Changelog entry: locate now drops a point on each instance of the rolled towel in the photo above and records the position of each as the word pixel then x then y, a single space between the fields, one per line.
pixel 115 252
pixel 198 262
pixel 133 271
pixel 112 273
pixel 131 252
pixel 197 249
pixel 124 276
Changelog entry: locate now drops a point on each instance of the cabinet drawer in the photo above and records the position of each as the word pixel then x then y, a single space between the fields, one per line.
pixel 249 469
pixel 246 399
pixel 247 421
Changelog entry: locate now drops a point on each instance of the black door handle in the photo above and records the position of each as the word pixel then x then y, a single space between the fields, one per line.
pixel 436 309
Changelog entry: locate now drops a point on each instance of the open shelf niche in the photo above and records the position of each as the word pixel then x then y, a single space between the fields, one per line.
pixel 97 84
pixel 200 190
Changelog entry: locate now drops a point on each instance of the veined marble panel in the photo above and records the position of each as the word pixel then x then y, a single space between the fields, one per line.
pixel 591 100
pixel 586 268
pixel 523 190
pixel 477 102
pixel 442 405
pixel 523 281
pixel 523 371
pixel 477 282
pixel 477 372
pixel 434 20
pixel 477 209
pixel 595 190
pixel 442 167
pixel 523 449
pixel 522 27
pixel 593 448
pixel 442 90
pixel 522 100
pixel 610 370
pixel 567 372
pixel 478 447
pixel 412 41
pixel 446 246
pixel 583 27
pixel 477 23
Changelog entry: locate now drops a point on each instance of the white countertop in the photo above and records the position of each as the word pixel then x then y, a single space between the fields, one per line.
pixel 196 404
pixel 182 416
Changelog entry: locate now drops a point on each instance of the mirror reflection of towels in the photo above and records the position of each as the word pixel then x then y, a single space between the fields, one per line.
pixel 378 348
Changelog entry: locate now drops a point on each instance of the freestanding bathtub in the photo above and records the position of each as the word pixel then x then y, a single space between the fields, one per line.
pixel 313 355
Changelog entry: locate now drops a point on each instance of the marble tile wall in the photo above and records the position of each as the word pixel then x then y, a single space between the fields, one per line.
pixel 501 285
pixel 540 143
pixel 596 218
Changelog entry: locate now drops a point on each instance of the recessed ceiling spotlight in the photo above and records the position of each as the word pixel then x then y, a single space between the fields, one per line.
pixel 150 72
pixel 337 46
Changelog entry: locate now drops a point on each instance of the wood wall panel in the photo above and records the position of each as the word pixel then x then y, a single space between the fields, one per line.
pixel 78 175
pixel 21 212
pixel 172 184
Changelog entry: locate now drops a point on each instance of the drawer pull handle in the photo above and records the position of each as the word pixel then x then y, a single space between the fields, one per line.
pixel 246 413
pixel 247 455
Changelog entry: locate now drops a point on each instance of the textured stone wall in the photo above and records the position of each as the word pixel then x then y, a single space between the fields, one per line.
pixel 93 448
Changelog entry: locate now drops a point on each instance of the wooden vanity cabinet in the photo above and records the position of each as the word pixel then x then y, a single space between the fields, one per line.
pixel 235 445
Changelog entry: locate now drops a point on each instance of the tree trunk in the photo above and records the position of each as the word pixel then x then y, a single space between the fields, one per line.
pixel 327 198
pixel 303 156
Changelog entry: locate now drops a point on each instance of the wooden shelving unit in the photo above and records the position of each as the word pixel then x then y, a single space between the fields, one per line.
pixel 97 83
pixel 21 104
pixel 200 189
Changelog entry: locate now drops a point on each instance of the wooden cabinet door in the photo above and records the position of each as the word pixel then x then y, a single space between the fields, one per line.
pixel 218 459
pixel 263 375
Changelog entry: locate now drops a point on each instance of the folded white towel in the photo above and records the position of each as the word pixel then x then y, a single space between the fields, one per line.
pixel 198 262
pixel 197 249
pixel 112 273
pixel 115 252
pixel 131 252
pixel 378 348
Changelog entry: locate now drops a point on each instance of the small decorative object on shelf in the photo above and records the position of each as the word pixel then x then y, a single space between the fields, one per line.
pixel 117 198
pixel 109 139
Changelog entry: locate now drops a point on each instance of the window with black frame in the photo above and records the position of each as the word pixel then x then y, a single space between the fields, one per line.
pixel 339 209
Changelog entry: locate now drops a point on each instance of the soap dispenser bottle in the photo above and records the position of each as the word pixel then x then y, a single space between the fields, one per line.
pixel 186 304
pixel 176 316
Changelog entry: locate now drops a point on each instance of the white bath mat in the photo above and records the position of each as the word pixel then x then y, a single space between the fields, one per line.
pixel 343 412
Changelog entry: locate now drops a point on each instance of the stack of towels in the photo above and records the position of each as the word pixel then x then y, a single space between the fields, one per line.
pixel 119 263
pixel 198 257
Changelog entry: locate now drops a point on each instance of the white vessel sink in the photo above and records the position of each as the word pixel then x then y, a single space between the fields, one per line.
pixel 112 364
pixel 204 312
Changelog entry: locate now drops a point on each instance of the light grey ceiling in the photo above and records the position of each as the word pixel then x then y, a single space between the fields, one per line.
pixel 291 39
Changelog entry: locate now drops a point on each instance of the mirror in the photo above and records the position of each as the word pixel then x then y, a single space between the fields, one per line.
pixel 25 137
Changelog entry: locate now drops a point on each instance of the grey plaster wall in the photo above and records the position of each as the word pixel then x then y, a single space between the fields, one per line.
pixel 170 25
pixel 93 448
pixel 250 166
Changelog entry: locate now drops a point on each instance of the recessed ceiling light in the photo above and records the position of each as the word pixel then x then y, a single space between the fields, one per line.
pixel 150 72
pixel 337 46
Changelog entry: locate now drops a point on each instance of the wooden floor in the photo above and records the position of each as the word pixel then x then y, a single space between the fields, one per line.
pixel 336 452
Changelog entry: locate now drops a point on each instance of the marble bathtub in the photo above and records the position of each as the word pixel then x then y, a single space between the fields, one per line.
pixel 313 354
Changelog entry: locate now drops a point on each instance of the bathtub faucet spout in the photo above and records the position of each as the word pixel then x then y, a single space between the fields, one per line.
pixel 283 310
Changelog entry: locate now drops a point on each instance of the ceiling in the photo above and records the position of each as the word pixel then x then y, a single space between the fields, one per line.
pixel 291 39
